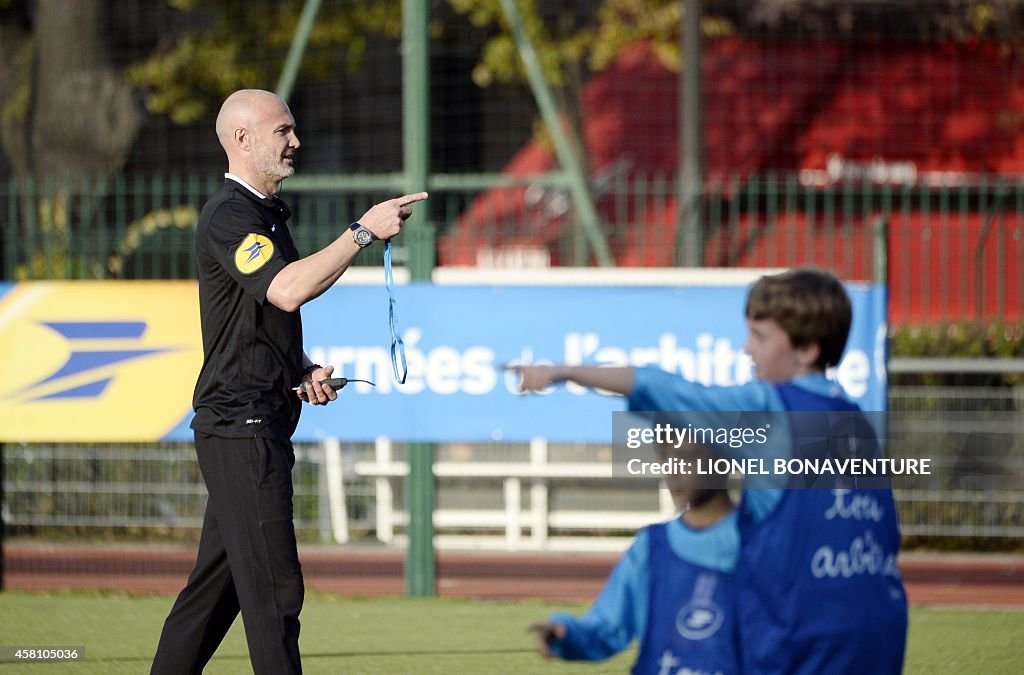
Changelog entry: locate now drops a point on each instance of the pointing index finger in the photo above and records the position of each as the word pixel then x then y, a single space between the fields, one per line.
pixel 412 199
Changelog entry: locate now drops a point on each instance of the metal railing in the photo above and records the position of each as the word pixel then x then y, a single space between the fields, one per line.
pixel 155 491
pixel 151 492
pixel 954 252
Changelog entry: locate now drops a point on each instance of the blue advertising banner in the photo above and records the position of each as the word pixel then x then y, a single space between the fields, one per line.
pixel 75 352
pixel 458 339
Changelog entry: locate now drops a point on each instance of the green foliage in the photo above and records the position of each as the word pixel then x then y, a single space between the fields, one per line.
pixel 621 22
pixel 16 108
pixel 200 68
pixel 182 217
pixel 569 42
pixel 54 257
pixel 499 60
pixel 997 339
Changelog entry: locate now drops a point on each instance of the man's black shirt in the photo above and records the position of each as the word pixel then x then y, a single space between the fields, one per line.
pixel 252 350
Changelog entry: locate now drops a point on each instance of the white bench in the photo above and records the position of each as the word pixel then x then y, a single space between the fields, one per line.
pixel 538 474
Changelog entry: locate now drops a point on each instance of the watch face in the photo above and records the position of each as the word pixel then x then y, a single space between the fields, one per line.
pixel 363 236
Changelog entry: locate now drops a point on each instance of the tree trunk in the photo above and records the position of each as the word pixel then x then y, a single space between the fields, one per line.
pixel 85 115
pixel 71 113
pixel 66 114
pixel 16 53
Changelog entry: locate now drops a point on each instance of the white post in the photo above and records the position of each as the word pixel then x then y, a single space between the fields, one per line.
pixel 668 505
pixel 513 501
pixel 539 493
pixel 323 510
pixel 385 494
pixel 336 489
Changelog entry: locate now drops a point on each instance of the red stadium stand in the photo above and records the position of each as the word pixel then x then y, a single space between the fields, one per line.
pixel 866 114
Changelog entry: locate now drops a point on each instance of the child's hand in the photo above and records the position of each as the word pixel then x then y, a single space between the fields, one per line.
pixel 547 633
pixel 536 378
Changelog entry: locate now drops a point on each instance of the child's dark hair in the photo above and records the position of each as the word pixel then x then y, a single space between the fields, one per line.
pixel 810 305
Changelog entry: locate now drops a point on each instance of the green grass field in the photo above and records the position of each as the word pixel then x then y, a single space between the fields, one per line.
pixel 396 635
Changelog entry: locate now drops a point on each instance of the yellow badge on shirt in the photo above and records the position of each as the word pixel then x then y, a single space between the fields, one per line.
pixel 253 253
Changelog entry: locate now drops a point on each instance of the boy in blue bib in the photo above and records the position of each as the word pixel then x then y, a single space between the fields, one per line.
pixel 817 585
pixel 672 590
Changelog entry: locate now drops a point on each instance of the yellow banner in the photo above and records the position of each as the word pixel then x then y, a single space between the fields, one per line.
pixel 97 361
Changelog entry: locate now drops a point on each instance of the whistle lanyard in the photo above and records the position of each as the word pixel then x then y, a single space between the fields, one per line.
pixel 397 345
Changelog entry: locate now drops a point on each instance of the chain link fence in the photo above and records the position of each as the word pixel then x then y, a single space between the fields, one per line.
pixel 150 492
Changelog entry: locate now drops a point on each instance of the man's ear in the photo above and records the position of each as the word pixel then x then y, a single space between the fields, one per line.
pixel 808 354
pixel 242 139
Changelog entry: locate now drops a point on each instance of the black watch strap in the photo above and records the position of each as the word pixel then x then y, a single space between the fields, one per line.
pixel 361 235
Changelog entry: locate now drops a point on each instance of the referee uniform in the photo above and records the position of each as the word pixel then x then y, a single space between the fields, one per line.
pixel 245 415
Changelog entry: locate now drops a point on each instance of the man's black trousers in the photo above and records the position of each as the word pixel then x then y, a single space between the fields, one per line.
pixel 248 561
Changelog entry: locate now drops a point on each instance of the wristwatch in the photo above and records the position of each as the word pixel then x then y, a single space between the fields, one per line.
pixel 362 236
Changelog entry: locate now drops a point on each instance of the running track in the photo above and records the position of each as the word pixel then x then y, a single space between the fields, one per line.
pixel 931 579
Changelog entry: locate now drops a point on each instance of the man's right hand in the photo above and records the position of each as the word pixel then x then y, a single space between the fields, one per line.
pixel 385 220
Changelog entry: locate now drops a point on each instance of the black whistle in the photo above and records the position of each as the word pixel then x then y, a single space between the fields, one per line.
pixel 335 383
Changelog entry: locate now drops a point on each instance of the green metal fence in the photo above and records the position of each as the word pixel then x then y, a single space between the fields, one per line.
pixel 135 227
pixel 954 252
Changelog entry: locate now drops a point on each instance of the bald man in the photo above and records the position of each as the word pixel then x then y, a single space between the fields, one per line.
pixel 252 283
